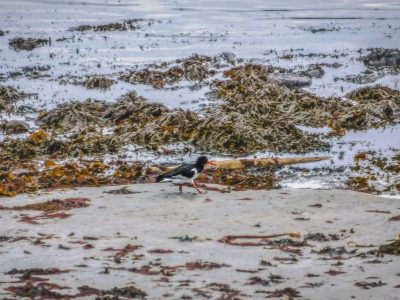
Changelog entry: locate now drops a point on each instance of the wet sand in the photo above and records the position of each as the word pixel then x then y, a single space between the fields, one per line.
pixel 195 263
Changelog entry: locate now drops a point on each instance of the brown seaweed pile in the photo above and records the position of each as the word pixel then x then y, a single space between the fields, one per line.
pixel 195 69
pixel 98 82
pixel 28 178
pixel 373 107
pixel 40 144
pixel 131 24
pixel 392 248
pixel 248 88
pixel 8 98
pixel 28 44
pixel 82 115
pixel 225 129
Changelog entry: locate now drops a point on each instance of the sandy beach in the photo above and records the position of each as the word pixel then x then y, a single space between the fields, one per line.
pixel 163 244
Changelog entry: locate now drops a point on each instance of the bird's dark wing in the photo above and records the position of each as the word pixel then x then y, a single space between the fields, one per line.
pixel 184 170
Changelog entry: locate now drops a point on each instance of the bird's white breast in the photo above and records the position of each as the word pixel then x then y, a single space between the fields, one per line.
pixel 182 179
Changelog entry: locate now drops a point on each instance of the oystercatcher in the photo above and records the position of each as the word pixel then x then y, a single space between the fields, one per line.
pixel 185 173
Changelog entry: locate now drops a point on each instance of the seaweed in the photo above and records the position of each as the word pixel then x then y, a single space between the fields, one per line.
pixel 241 180
pixel 378 58
pixel 32 291
pixel 14 127
pixel 374 173
pixel 69 175
pixel 27 44
pixel 8 99
pixel 392 248
pixel 286 292
pixel 373 107
pixel 98 82
pixel 196 69
pixel 131 24
pixel 73 115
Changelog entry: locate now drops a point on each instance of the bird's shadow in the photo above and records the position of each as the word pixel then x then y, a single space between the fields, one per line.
pixel 184 195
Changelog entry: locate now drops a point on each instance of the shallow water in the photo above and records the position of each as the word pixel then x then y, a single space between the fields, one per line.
pixel 261 30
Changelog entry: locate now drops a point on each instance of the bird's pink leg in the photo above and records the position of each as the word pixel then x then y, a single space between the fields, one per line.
pixel 180 188
pixel 195 186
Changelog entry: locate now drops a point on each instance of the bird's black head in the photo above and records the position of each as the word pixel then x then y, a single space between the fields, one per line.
pixel 201 162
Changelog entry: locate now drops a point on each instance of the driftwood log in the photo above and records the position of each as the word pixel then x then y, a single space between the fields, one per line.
pixel 235 164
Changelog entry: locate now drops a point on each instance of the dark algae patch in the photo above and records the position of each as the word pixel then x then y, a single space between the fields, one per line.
pixel 8 98
pixel 20 43
pixel 35 291
pixel 379 58
pixel 392 248
pixel 132 24
pixel 196 69
pixel 98 82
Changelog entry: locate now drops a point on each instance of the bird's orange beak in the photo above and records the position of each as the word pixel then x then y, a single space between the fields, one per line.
pixel 211 163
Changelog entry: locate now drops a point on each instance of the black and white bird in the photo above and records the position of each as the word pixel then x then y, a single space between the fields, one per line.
pixel 185 173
